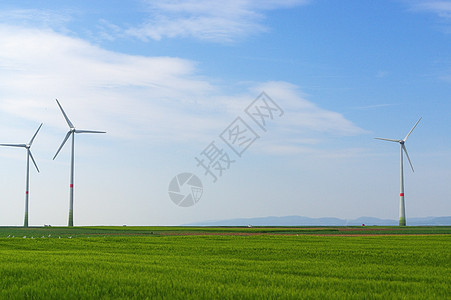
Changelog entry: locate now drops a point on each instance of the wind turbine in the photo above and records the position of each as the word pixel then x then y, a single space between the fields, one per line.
pixel 72 131
pixel 27 146
pixel 402 208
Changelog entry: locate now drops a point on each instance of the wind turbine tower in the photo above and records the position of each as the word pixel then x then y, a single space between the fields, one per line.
pixel 402 207
pixel 71 133
pixel 27 146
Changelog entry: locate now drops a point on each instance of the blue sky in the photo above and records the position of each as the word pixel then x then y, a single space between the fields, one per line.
pixel 166 78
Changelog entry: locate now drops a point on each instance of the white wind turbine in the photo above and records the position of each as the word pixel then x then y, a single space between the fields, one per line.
pixel 72 131
pixel 27 146
pixel 402 208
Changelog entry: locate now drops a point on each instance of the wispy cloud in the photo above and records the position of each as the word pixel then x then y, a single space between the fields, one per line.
pixel 214 21
pixel 42 18
pixel 440 8
pixel 374 106
pixel 304 115
pixel 37 66
pixel 159 99
pixel 382 74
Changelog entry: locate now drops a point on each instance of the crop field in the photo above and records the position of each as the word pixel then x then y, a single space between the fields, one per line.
pixel 225 263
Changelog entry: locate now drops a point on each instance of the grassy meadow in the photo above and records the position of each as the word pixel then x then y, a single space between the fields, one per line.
pixel 218 263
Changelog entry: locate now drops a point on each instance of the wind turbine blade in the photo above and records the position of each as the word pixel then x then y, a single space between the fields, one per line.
pixel 405 151
pixel 62 144
pixel 412 129
pixel 390 140
pixel 14 145
pixel 32 139
pixel 34 162
pixel 89 131
pixel 65 116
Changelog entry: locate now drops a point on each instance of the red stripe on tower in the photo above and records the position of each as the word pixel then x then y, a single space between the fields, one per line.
pixel 401 194
pixel 26 192
pixel 71 185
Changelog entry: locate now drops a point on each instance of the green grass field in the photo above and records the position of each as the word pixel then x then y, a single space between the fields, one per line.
pixel 165 262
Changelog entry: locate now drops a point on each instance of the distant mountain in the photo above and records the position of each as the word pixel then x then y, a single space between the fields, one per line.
pixel 432 221
pixel 305 221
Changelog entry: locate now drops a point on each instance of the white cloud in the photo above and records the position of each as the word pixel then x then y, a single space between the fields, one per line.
pixel 217 21
pixel 161 99
pixel 37 66
pixel 43 18
pixel 440 8
pixel 374 106
pixel 214 21
pixel 305 115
